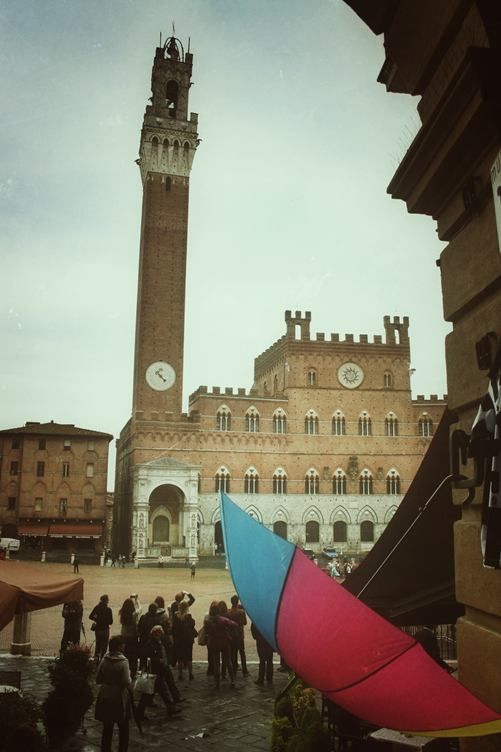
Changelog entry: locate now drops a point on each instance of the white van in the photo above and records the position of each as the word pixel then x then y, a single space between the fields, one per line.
pixel 12 544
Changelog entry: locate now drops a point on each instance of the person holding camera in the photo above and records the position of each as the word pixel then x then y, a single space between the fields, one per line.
pixel 102 616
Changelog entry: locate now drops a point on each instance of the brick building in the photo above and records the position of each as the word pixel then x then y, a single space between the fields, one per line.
pixel 448 55
pixel 53 480
pixel 323 445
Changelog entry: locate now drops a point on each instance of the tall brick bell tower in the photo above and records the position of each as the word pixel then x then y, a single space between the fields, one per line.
pixel 154 498
pixel 168 143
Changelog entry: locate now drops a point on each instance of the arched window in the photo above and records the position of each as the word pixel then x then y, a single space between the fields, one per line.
pixel 340 532
pixel 367 531
pixel 365 483
pixel 222 480
pixel 338 424
pixel 161 529
pixel 280 528
pixel 391 425
pixel 312 482
pixel 364 425
pixel 223 419
pixel 279 481
pixel 279 421
pixel 393 483
pixel 171 96
pixel 251 481
pixel 387 380
pixel 275 384
pixel 252 420
pixel 312 531
pixel 218 538
pixel 311 422
pixel 312 377
pixel 339 482
pixel 425 425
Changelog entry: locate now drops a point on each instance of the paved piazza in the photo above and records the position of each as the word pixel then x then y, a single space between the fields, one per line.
pixel 209 584
pixel 227 720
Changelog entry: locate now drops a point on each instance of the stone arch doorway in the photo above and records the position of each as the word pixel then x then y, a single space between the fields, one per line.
pixel 165 521
pixel 218 538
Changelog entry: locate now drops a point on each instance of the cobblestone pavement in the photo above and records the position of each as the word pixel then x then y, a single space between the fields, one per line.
pixel 228 719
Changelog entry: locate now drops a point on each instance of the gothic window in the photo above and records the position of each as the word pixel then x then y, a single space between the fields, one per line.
pixel 364 425
pixel 367 531
pixel 340 532
pixel 312 377
pixel 312 531
pixel 387 380
pixel 339 483
pixel 391 425
pixel 223 419
pixel 312 482
pixel 63 506
pixel 365 483
pixel 251 481
pixel 338 424
pixel 252 420
pixel 311 422
pixel 279 481
pixel 425 425
pixel 280 528
pixel 171 96
pixel 393 483
pixel 279 421
pixel 222 480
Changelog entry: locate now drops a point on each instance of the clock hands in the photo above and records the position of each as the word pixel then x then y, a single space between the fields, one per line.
pixel 158 373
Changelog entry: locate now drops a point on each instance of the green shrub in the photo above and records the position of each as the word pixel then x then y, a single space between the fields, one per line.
pixel 297 726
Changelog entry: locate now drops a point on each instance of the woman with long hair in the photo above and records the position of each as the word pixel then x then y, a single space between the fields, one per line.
pixel 184 633
pixel 129 617
pixel 219 631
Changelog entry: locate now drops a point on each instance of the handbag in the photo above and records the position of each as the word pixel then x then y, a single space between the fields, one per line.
pixel 145 681
pixel 202 637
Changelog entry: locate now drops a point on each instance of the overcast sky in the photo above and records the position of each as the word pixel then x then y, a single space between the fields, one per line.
pixel 288 204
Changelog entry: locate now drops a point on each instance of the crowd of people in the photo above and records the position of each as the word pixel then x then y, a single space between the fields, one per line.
pixel 159 643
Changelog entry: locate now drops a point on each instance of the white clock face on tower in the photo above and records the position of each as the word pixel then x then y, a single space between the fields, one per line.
pixel 160 376
pixel 350 375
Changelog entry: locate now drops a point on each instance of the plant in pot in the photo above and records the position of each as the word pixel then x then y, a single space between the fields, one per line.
pixel 297 726
pixel 71 697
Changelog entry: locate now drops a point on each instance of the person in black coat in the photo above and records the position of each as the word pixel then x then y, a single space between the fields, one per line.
pixel 102 616
pixel 72 615
pixel 154 652
pixel 265 653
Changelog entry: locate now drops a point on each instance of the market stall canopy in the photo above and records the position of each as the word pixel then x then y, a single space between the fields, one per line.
pixel 25 587
pixel 416 583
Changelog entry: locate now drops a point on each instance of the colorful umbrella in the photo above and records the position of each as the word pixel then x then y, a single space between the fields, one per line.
pixel 340 646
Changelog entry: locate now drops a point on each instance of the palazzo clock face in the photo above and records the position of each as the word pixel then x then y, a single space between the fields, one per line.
pixel 160 376
pixel 350 375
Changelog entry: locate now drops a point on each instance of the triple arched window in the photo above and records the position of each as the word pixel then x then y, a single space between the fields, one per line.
pixel 338 424
pixel 223 419
pixel 366 484
pixel 222 480
pixel 252 420
pixel 393 483
pixel 279 421
pixel 391 425
pixel 339 482
pixel 364 424
pixel 251 481
pixel 279 481
pixel 425 425
pixel 311 422
pixel 312 482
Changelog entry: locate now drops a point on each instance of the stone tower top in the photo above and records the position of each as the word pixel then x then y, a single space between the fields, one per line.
pixel 169 137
